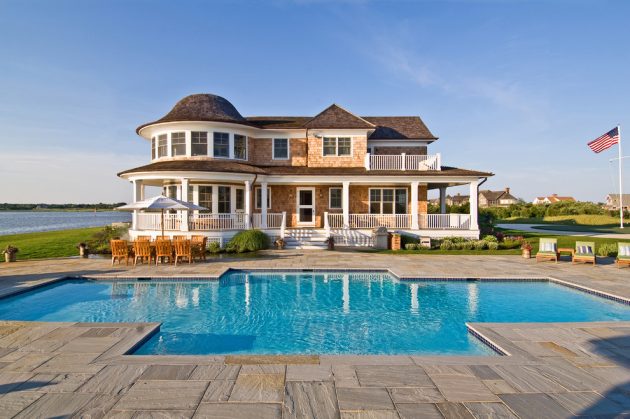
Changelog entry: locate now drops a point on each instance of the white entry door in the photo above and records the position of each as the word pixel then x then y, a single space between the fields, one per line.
pixel 306 207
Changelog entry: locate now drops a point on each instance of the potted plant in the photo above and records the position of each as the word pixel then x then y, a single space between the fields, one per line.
pixel 330 242
pixel 9 253
pixel 280 243
pixel 83 250
pixel 526 249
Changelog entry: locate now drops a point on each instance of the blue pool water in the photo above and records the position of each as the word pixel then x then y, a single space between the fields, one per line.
pixel 308 313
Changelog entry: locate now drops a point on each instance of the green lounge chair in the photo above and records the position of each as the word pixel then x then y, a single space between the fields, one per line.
pixel 547 250
pixel 623 254
pixel 584 252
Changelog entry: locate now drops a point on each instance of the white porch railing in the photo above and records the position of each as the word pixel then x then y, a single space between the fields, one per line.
pixel 212 222
pixel 444 221
pixel 403 162
pixel 274 220
pixel 153 221
pixel 425 221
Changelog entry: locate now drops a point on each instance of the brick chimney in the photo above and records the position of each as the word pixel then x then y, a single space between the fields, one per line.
pixel 507 190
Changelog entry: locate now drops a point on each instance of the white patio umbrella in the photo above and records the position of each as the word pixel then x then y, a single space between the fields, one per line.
pixel 160 203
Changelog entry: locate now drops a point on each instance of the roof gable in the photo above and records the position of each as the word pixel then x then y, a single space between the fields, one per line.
pixel 335 116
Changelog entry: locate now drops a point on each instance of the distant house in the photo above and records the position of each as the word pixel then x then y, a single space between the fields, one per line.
pixel 496 198
pixel 458 199
pixel 552 199
pixel 612 201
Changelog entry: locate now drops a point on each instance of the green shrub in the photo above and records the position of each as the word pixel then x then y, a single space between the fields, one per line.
pixel 446 245
pixel 607 249
pixel 493 246
pixel 248 241
pixel 411 246
pixel 458 239
pixel 481 244
pixel 467 245
pixel 214 247
pixel 510 244
pixel 490 238
pixel 99 242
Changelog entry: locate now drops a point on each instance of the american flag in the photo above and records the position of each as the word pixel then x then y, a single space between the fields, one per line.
pixel 605 141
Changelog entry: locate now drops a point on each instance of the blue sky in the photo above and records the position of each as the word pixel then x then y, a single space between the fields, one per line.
pixel 513 87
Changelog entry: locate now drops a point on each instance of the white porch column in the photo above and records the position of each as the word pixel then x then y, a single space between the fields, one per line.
pixel 137 196
pixel 248 204
pixel 474 198
pixel 442 199
pixel 345 204
pixel 263 205
pixel 414 205
pixel 183 215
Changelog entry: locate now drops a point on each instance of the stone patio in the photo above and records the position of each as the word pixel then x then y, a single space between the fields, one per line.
pixel 553 371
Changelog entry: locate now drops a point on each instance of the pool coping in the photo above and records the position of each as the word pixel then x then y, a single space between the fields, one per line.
pixel 123 352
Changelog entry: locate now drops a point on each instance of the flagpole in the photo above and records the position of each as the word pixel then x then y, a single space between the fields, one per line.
pixel 620 179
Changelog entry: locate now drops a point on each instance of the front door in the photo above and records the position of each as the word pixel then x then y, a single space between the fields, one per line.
pixel 306 207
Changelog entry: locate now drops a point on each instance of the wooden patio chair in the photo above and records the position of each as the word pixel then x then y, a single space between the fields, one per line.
pixel 584 252
pixel 120 250
pixel 163 249
pixel 183 249
pixel 142 251
pixel 144 238
pixel 548 250
pixel 623 254
pixel 199 245
pixel 176 238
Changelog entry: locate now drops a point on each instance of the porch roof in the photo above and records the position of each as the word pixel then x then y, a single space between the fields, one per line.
pixel 225 166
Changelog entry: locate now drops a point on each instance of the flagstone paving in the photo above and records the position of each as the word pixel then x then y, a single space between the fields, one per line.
pixel 554 370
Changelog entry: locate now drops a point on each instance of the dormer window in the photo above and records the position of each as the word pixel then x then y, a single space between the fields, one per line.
pixel 178 144
pixel 240 147
pixel 162 149
pixel 199 143
pixel 221 144
pixel 337 146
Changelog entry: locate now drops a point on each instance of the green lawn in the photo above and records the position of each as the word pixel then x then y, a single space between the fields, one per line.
pixel 48 244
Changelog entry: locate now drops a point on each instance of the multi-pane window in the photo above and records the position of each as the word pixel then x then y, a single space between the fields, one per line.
pixel 162 145
pixel 170 191
pixel 178 144
pixel 205 197
pixel 240 147
pixel 221 144
pixel 224 203
pixel 199 143
pixel 153 150
pixel 258 198
pixel 190 196
pixel 239 205
pixel 337 146
pixel 388 201
pixel 280 148
pixel 335 198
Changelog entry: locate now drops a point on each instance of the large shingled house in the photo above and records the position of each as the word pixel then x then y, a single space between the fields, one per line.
pixel 300 177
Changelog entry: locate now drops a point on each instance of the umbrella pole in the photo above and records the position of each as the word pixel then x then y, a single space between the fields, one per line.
pixel 162 222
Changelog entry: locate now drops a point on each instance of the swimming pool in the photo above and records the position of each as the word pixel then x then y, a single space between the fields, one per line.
pixel 310 312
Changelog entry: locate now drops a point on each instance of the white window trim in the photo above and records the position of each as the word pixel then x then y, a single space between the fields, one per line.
pixel 208 153
pixel 230 146
pixel 394 202
pixel 273 149
pixel 337 146
pixel 168 145
pixel 256 203
pixel 330 199
pixel 186 143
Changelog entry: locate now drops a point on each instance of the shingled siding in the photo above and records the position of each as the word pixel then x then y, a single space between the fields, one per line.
pixel 316 158
pixel 385 150
pixel 283 198
pixel 260 152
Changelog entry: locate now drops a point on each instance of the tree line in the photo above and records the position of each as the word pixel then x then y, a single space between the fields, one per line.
pixel 35 207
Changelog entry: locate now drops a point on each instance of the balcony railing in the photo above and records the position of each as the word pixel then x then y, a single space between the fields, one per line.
pixel 210 222
pixel 425 221
pixel 274 220
pixel 206 221
pixel 403 162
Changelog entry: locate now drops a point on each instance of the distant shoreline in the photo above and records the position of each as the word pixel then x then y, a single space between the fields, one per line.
pixel 60 210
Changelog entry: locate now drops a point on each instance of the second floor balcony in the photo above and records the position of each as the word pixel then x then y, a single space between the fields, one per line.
pixel 403 162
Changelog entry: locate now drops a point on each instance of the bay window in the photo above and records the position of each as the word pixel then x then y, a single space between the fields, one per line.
pixel 199 143
pixel 337 146
pixel 221 144
pixel 205 197
pixel 178 144
pixel 240 147
pixel 280 148
pixel 388 201
pixel 162 145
